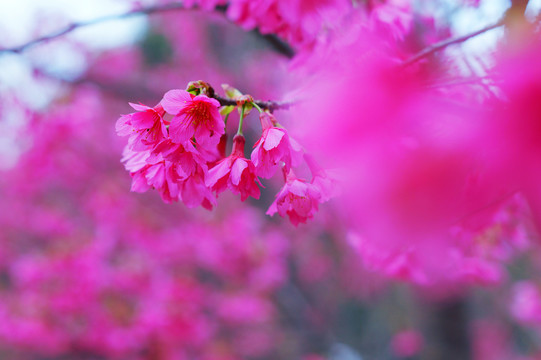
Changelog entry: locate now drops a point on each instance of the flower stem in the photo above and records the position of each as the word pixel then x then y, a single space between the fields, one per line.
pixel 241 120
pixel 257 107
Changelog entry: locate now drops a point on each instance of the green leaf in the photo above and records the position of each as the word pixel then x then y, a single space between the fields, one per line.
pixel 226 110
pixel 231 92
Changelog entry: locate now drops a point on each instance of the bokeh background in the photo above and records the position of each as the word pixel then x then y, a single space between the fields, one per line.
pixel 90 270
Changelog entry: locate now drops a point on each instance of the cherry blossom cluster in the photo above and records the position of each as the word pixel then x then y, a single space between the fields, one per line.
pixel 178 148
pixel 130 283
pixel 297 21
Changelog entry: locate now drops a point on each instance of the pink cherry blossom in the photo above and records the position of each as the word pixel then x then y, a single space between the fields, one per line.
pixel 145 127
pixel 185 156
pixel 194 116
pixel 191 170
pixel 162 176
pixel 135 162
pixel 149 171
pixel 235 172
pixel 439 187
pixel 325 180
pixel 273 147
pixel 195 192
pixel 297 199
pixel 298 21
pixel 177 171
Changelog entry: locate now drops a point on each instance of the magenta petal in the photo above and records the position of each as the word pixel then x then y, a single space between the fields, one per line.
pixel 255 156
pixel 205 98
pixel 298 188
pixel 139 183
pixel 218 124
pixel 180 130
pixel 175 100
pixel 139 107
pixel 191 194
pixel 236 170
pixel 201 134
pixel 156 175
pixel 253 190
pixel 144 119
pixel 302 206
pixel 217 172
pixel 296 152
pixel 282 206
pixel 272 209
pixel 273 139
pixel 123 126
pixel 134 161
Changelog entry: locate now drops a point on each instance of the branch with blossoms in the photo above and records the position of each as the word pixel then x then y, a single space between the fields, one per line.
pixel 276 43
pixel 234 97
pixel 130 90
pixel 76 25
pixel 178 147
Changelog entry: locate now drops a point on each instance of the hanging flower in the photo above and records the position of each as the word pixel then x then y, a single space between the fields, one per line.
pixel 272 148
pixel 235 173
pixel 297 199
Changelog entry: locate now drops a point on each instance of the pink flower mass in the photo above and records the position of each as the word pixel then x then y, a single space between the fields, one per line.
pixel 402 144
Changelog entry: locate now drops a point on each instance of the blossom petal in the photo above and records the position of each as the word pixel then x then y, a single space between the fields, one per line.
pixel 139 107
pixel 123 126
pixel 236 170
pixel 175 100
pixel 144 119
pixel 272 209
pixel 273 139
pixel 298 188
pixel 217 172
pixel 180 130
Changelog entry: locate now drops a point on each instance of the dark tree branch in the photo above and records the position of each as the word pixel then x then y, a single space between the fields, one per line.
pixel 276 43
pixel 76 25
pixel 443 44
pixel 515 19
pixel 279 45
pixel 450 331
pixel 519 6
pixel 267 105
pixel 135 91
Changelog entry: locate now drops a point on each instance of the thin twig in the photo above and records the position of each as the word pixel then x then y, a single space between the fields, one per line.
pixel 267 105
pixel 76 25
pixel 473 80
pixel 276 43
pixel 443 44
pixel 135 91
